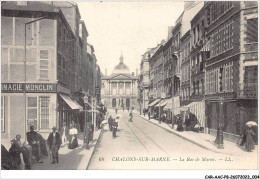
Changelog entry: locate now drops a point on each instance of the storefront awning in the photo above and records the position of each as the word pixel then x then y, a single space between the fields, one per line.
pixel 159 104
pixel 154 102
pixel 168 106
pixel 71 103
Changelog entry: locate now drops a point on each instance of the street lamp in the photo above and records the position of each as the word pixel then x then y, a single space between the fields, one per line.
pixel 219 139
pixel 85 99
pixel 174 55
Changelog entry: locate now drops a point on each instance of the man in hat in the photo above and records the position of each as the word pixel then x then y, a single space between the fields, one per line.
pixel 34 141
pixel 54 142
pixel 114 127
pixel 64 131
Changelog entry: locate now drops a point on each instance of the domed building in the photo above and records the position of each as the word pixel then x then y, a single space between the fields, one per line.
pixel 120 88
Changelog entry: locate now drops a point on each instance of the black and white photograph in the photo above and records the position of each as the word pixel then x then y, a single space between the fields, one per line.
pixel 129 85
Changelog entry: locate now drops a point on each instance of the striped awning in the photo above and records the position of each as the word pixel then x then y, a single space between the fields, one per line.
pixel 154 102
pixel 206 47
pixel 161 103
pixel 71 103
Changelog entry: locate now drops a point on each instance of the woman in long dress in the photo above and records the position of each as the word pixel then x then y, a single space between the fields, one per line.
pixel 250 145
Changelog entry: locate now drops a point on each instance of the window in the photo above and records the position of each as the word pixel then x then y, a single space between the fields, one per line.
pixel 32 117
pixel 127 102
pixel 44 112
pixel 114 102
pixel 222 39
pixel 44 65
pixel 3 113
pixel 38 117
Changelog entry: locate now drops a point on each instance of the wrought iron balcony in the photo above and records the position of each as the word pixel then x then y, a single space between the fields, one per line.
pixel 247 91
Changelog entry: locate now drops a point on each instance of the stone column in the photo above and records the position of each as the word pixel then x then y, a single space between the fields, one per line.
pixel 124 88
pixel 132 84
pixel 117 92
pixel 109 87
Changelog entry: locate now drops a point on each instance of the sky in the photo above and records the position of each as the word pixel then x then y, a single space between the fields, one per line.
pixel 129 28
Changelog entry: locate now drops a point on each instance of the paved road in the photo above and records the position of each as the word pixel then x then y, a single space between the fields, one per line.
pixel 142 145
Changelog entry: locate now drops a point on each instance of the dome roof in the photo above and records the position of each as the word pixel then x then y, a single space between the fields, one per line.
pixel 121 68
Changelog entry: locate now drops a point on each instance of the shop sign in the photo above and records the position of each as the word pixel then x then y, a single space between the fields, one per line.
pixel 28 87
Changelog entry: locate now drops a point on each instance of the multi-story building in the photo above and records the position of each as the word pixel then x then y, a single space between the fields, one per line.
pixel 156 88
pixel 231 68
pixel 144 78
pixel 168 66
pixel 120 89
pixel 38 68
pixel 185 68
pixel 35 78
pixel 198 56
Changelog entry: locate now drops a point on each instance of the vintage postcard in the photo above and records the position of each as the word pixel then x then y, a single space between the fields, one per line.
pixel 129 85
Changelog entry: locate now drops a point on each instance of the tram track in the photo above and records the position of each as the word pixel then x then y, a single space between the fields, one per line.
pixel 149 138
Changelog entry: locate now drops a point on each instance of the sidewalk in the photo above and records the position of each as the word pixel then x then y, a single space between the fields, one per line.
pixel 204 140
pixel 71 159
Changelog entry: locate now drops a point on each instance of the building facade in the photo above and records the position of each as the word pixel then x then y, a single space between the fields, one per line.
pixel 120 89
pixel 38 69
pixel 231 68
pixel 185 68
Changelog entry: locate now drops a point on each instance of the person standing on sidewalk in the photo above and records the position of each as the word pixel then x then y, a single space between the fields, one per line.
pixel 250 145
pixel 130 116
pixel 64 134
pixel 114 128
pixel 116 110
pixel 87 132
pixel 34 141
pixel 149 115
pixel 110 121
pixel 54 142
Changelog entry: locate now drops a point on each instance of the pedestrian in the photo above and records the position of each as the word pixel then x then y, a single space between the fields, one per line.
pixel 149 115
pixel 144 112
pixel 179 124
pixel 15 153
pixel 250 145
pixel 73 133
pixel 114 128
pixel 54 142
pixel 127 109
pixel 243 137
pixel 110 121
pixel 116 110
pixel 64 131
pixel 130 116
pixel 86 134
pixel 34 141
pixel 91 132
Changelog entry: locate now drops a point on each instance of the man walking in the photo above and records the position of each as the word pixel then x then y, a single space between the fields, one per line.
pixel 64 134
pixel 110 121
pixel 54 142
pixel 87 132
pixel 116 110
pixel 149 114
pixel 114 128
pixel 34 141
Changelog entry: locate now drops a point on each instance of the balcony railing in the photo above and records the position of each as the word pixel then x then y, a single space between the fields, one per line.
pixel 247 91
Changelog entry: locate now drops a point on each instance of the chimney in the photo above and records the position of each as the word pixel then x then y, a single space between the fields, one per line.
pixel 136 72
pixel 105 72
